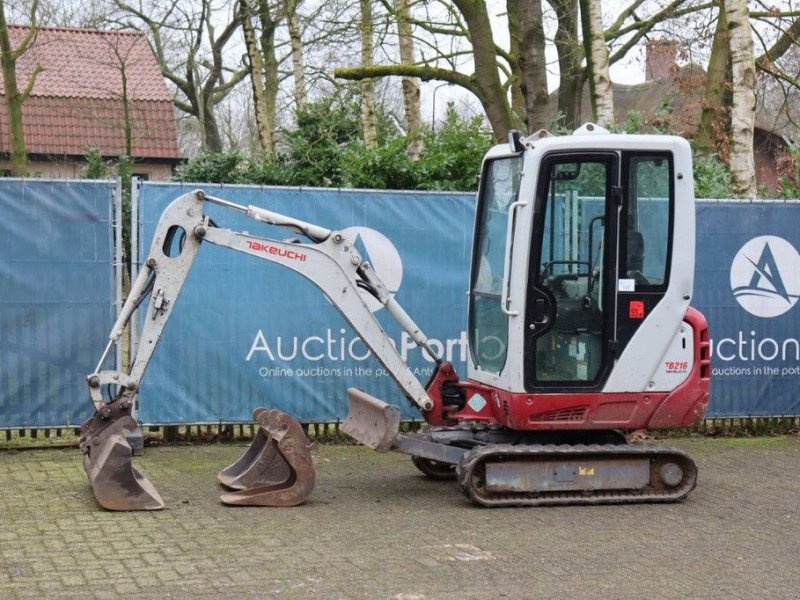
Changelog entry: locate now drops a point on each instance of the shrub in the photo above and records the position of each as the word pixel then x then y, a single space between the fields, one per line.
pixel 712 179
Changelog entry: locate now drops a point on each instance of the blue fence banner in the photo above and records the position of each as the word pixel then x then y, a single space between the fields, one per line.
pixel 248 333
pixel 747 282
pixel 56 290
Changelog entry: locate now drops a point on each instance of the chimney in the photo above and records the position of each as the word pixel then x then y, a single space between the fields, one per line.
pixel 660 59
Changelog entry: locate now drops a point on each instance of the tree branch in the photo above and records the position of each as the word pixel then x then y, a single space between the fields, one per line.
pixel 787 39
pixel 424 73
pixel 644 27
pixel 30 35
pixel 623 15
pixel 30 83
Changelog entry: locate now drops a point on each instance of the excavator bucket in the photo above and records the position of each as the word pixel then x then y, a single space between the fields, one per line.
pixel 276 469
pixel 107 460
pixel 371 421
pixel 260 465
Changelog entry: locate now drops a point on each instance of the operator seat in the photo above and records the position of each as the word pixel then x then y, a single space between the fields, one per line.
pixel 636 257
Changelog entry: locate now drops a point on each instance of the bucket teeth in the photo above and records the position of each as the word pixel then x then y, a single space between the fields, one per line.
pixel 276 469
pixel 107 460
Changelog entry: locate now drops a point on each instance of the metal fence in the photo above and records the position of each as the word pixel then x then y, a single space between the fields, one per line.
pixel 57 290
pixel 246 333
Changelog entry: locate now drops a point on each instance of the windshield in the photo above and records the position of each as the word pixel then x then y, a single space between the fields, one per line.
pixel 488 323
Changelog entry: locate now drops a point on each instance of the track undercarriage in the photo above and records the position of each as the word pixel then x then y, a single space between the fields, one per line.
pixel 499 467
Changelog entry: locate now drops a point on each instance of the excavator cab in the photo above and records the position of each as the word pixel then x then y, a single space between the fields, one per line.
pixel 582 275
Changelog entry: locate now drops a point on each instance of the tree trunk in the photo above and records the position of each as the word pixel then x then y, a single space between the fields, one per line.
pixel 570 57
pixel 601 92
pixel 531 64
pixel 212 138
pixel 712 134
pixel 743 70
pixel 268 28
pixel 493 95
pixel 410 85
pixel 16 133
pixel 514 41
pixel 257 78
pixel 369 121
pixel 298 60
pixel 14 97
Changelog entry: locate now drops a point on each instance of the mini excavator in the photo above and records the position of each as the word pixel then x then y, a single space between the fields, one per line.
pixel 580 329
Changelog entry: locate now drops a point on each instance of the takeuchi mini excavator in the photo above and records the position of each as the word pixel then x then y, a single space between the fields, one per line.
pixel 580 329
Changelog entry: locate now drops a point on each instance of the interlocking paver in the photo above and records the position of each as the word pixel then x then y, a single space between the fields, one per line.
pixel 376 528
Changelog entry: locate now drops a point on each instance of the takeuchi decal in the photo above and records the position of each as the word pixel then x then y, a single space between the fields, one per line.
pixel 765 276
pixel 276 250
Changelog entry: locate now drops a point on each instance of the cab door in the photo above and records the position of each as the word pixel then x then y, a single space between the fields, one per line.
pixel 570 319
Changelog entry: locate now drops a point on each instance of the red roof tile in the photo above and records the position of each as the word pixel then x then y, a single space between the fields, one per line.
pixel 77 99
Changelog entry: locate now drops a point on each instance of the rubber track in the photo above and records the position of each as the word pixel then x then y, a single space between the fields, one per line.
pixel 477 457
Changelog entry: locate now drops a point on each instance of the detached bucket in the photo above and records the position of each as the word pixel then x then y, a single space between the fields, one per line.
pixel 276 469
pixel 107 460
pixel 370 421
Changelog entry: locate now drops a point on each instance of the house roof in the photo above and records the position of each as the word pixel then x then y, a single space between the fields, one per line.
pixel 675 100
pixel 78 100
pixel 675 103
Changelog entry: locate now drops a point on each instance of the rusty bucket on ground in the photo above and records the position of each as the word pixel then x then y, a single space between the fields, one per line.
pixel 276 469
pixel 107 460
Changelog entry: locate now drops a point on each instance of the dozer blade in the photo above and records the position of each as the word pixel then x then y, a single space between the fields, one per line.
pixel 276 469
pixel 372 422
pixel 107 460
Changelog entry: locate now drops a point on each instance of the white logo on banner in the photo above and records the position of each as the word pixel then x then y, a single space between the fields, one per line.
pixel 378 250
pixel 765 276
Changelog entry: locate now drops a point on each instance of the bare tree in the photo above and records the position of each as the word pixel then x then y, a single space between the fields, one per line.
pixel 743 79
pixel 263 66
pixel 527 62
pixel 122 58
pixel 121 52
pixel 510 83
pixel 472 21
pixel 601 92
pixel 713 132
pixel 410 85
pixel 369 121
pixel 570 62
pixel 298 59
pixel 191 54
pixel 15 97
pixel 779 67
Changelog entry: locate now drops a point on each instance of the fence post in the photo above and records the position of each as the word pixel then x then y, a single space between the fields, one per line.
pixel 135 438
pixel 118 262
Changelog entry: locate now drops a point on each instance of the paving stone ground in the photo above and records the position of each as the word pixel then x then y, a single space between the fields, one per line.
pixel 376 528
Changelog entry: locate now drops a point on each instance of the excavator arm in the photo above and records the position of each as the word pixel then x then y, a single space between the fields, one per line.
pixel 329 260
